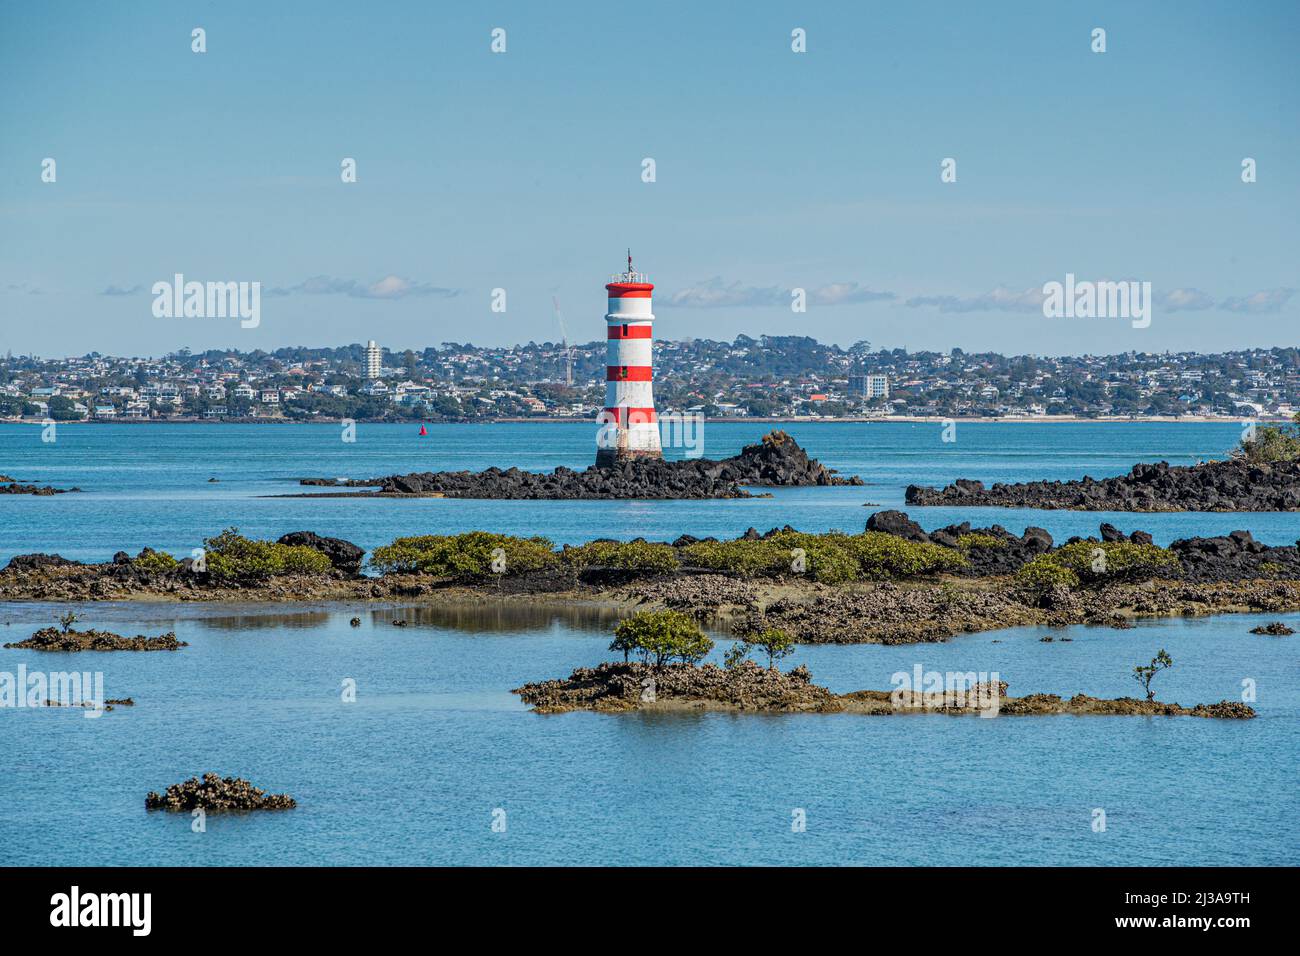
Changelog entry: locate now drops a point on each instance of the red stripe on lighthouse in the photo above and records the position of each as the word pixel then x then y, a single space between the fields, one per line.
pixel 635 416
pixel 629 373
pixel 629 290
pixel 630 332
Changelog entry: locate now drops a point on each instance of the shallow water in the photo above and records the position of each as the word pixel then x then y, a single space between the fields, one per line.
pixel 413 770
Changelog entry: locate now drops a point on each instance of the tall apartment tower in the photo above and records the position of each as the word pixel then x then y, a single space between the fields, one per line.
pixel 374 360
pixel 630 429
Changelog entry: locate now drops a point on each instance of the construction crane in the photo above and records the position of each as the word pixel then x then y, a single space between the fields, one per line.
pixel 568 351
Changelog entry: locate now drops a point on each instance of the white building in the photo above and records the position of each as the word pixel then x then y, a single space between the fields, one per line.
pixel 374 360
pixel 870 386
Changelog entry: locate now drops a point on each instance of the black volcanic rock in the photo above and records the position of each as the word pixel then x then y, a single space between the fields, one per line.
pixel 344 555
pixel 897 523
pixel 776 461
pixel 1234 557
pixel 14 488
pixel 1232 485
pixel 33 562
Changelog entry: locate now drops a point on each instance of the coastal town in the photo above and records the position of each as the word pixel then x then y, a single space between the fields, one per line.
pixel 769 377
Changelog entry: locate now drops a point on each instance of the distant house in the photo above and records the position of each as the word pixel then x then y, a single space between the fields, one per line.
pixel 105 411
pixel 270 397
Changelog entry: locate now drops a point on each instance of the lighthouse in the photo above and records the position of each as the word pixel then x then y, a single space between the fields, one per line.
pixel 630 429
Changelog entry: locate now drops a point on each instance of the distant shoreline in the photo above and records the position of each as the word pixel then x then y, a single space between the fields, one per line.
pixel 801 420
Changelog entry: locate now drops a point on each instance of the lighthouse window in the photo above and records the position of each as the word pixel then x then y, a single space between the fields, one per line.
pixel 624 330
pixel 624 372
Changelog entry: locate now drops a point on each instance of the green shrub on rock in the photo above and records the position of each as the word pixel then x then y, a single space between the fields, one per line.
pixel 775 643
pixel 1091 562
pixel 1095 562
pixel 741 557
pixel 232 557
pixel 830 558
pixel 1270 444
pixel 887 557
pixel 660 637
pixel 154 562
pixel 1042 574
pixel 471 555
pixel 650 557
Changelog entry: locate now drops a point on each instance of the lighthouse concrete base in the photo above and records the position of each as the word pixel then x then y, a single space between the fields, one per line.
pixel 609 457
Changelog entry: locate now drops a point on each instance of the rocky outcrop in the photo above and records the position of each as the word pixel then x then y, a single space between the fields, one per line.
pixel 776 461
pixel 53 639
pixel 1232 485
pixel 992 550
pixel 1083 705
pixel 995 550
pixel 614 687
pixel 1274 628
pixel 11 486
pixel 217 794
pixel 623 687
pixel 91 705
pixel 1235 557
pixel 34 562
pixel 344 555
pixel 888 613
pixel 704 595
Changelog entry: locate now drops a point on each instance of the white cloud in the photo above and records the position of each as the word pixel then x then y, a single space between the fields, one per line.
pixel 1268 300
pixel 1001 299
pixel 716 294
pixel 389 287
pixel 1185 300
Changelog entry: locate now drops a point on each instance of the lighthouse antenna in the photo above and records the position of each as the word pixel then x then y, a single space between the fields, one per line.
pixel 629 261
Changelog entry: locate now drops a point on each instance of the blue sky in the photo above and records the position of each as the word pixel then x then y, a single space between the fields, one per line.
pixel 774 170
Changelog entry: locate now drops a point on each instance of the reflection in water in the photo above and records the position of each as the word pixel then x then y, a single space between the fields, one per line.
pixel 484 618
pixel 255 620
pixel 472 617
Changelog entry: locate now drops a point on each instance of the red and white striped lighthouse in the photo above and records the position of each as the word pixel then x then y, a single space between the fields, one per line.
pixel 630 428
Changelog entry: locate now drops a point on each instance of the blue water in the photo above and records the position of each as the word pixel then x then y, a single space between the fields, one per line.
pixel 147 485
pixel 413 770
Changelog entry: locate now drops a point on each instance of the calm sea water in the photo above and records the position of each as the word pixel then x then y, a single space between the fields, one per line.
pixel 413 771
pixel 148 484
